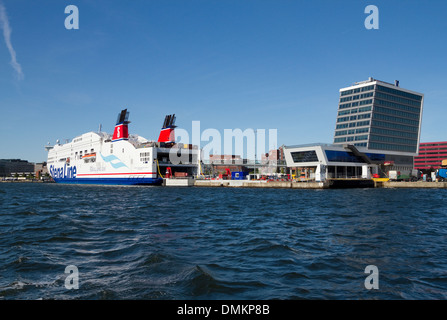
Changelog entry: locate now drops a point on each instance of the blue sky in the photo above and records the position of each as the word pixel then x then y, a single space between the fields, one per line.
pixel 229 64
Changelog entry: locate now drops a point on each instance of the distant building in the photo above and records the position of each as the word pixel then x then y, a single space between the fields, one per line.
pixel 222 162
pixel 430 155
pixel 40 169
pixel 270 161
pixel 13 166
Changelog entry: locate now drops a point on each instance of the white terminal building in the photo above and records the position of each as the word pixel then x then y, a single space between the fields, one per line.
pixel 377 129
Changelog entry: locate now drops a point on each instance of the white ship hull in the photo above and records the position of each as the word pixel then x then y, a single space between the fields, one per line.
pixel 94 159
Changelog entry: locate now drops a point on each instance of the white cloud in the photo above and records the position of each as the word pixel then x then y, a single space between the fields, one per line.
pixel 4 24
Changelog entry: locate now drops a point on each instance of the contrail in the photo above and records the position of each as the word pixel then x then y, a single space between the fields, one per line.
pixel 4 24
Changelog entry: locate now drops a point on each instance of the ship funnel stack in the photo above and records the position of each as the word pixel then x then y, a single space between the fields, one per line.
pixel 121 128
pixel 167 134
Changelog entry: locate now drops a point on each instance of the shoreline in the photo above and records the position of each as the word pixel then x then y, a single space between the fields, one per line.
pixel 328 184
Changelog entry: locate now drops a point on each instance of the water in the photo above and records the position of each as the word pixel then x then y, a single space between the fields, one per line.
pixel 221 243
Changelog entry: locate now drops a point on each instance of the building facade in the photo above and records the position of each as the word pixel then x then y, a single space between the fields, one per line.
pixel 377 130
pixel 15 166
pixel 431 155
pixel 321 161
pixel 379 116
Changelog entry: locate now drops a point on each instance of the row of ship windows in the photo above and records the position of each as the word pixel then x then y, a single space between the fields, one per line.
pixel 77 156
pixel 85 152
pixel 145 157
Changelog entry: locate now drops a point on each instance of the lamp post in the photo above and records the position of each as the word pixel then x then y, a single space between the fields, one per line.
pixel 254 167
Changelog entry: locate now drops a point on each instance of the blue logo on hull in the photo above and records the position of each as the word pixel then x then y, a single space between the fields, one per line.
pixel 109 159
pixel 63 172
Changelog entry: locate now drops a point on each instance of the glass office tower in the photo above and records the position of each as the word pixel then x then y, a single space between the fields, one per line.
pixel 377 115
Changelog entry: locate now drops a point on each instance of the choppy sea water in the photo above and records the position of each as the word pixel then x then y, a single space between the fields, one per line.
pixel 221 243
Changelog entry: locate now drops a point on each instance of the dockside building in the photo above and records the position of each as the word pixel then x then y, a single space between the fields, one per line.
pixel 377 129
pixel 12 166
pixel 431 155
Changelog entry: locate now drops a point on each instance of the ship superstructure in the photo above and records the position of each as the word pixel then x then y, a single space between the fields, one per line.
pixel 121 158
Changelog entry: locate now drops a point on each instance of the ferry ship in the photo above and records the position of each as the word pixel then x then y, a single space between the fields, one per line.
pixel 121 158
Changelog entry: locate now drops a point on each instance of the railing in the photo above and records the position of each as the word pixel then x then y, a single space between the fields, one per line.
pixel 245 162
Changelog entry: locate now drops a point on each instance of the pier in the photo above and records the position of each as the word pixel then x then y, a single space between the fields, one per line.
pixel 260 184
pixel 328 184
pixel 415 184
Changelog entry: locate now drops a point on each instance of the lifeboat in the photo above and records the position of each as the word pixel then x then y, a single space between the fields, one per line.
pixel 89 157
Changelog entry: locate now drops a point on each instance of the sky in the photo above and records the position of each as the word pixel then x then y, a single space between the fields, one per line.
pixel 262 64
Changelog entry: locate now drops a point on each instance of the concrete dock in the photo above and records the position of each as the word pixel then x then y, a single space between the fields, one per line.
pixel 328 184
pixel 416 184
pixel 260 184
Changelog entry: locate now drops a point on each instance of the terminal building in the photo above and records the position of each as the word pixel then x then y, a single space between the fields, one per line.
pixel 377 129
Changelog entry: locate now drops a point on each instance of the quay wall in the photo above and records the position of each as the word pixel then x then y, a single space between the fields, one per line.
pixel 415 184
pixel 260 184
pixel 329 184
